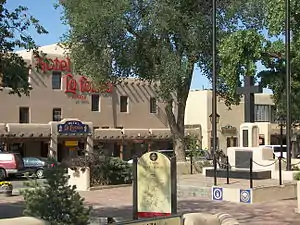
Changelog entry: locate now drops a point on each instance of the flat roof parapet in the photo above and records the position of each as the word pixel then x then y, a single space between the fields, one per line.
pixel 28 130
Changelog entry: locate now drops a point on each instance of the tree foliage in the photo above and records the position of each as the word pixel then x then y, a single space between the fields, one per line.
pixel 55 201
pixel 263 43
pixel 14 26
pixel 153 40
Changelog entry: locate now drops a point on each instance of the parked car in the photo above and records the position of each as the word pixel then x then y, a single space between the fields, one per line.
pixel 11 164
pixel 35 165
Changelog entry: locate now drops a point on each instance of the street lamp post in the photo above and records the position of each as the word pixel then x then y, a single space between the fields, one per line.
pixel 214 85
pixel 281 123
pixel 214 119
pixel 288 83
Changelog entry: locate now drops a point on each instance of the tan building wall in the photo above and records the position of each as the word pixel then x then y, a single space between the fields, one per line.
pixel 122 134
pixel 199 109
pixel 43 99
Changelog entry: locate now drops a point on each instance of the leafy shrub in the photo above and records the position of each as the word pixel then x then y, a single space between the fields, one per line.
pixel 297 176
pixel 104 170
pixel 56 202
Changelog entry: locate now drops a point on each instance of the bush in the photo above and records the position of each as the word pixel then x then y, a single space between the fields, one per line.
pixel 104 170
pixel 56 202
pixel 297 176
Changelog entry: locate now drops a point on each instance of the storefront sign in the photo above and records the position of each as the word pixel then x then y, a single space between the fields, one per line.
pixel 154 185
pixel 71 143
pixel 73 127
pixel 169 220
pixel 56 64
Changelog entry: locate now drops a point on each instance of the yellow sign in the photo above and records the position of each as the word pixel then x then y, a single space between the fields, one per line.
pixel 172 220
pixel 154 183
pixel 71 143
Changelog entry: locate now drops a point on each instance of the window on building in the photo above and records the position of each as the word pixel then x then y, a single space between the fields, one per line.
pixel 56 80
pixel 231 142
pixel 264 113
pixel 123 103
pixel 56 114
pixel 24 115
pixel 153 105
pixel 95 106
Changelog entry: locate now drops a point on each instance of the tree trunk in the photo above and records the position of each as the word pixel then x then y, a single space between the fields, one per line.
pixel 176 123
pixel 179 148
pixel 177 133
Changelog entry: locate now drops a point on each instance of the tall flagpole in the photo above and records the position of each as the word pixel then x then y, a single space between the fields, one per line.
pixel 214 87
pixel 288 82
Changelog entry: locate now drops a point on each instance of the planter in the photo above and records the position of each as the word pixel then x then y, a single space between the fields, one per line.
pixel 6 188
pixel 6 192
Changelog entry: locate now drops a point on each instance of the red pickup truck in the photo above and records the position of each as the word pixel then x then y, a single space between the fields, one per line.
pixel 11 164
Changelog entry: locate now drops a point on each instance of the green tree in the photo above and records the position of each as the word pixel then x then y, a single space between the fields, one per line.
pixel 56 201
pixel 261 41
pixel 14 26
pixel 159 41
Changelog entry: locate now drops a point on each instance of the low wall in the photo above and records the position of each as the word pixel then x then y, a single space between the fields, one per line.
pixel 254 195
pixel 23 221
pixel 80 178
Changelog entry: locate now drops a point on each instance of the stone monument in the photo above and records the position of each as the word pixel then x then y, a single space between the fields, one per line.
pixel 239 157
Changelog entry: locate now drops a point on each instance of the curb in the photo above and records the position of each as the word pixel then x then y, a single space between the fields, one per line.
pixel 109 187
pixel 193 191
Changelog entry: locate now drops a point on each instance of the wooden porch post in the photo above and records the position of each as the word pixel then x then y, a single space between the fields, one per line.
pixel 121 148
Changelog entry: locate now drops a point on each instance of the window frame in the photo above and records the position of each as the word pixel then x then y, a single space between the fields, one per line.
pixel 56 73
pixel 153 105
pixel 264 113
pixel 98 105
pixel 127 104
pixel 53 114
pixel 28 112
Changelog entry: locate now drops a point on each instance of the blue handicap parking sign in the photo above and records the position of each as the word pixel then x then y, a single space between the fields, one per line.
pixel 217 193
pixel 245 196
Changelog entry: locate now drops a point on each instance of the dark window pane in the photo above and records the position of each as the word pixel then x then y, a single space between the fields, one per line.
pixel 56 114
pixel 23 115
pixel 123 104
pixel 153 105
pixel 56 80
pixel 95 106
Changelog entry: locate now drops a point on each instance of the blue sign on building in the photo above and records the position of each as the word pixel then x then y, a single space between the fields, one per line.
pixel 73 127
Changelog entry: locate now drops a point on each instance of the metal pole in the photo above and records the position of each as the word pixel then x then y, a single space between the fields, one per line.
pixel 251 173
pixel 227 170
pixel 191 163
pixel 281 154
pixel 288 83
pixel 214 87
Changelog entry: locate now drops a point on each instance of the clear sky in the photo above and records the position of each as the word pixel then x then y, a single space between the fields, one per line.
pixel 49 17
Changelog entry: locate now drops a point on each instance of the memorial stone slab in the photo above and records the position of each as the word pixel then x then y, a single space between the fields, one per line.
pixel 242 159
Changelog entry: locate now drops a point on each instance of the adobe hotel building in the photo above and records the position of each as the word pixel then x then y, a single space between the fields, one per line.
pixel 64 114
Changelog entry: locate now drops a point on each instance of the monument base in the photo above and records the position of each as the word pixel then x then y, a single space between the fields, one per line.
pixel 240 174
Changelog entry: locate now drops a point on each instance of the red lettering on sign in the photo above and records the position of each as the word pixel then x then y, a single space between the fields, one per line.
pixel 71 84
pixel 56 64
pixel 85 87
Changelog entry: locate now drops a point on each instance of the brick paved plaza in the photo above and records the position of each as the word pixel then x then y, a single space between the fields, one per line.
pixel 118 202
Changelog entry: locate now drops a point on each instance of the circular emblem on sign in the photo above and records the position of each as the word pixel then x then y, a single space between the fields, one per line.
pixel 153 156
pixel 245 196
pixel 217 194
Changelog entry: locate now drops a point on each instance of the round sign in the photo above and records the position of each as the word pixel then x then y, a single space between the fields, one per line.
pixel 217 194
pixel 153 156
pixel 245 196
